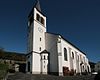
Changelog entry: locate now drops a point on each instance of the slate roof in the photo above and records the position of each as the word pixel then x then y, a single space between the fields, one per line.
pixel 44 51
pixel 67 41
pixel 37 5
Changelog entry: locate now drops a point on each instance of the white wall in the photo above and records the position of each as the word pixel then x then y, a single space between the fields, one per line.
pixel 39 32
pixel 73 63
pixel 36 67
pixel 59 48
pixel 44 63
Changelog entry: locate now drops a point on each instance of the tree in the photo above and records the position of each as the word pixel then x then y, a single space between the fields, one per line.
pixel 2 52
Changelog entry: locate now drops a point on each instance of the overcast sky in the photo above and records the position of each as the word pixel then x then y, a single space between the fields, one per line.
pixel 76 20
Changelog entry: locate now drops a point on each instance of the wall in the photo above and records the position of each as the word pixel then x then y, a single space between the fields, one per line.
pixel 79 58
pixel 51 47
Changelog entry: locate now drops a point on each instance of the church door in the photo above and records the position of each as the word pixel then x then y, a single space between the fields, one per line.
pixel 28 66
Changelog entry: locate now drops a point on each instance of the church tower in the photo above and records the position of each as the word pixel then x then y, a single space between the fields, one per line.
pixel 36 39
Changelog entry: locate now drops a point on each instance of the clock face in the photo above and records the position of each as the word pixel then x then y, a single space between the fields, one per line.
pixel 40 29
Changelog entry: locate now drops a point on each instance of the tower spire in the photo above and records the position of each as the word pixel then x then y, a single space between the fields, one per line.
pixel 37 5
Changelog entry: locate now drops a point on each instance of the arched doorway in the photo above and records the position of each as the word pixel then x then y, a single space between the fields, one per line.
pixel 28 66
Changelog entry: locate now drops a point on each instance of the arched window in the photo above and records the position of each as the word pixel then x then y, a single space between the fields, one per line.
pixel 65 54
pixel 72 55
pixel 40 38
pixel 42 20
pixel 40 48
pixel 44 57
pixel 38 17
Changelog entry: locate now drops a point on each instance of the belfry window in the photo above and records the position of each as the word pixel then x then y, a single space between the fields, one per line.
pixel 42 20
pixel 65 54
pixel 38 17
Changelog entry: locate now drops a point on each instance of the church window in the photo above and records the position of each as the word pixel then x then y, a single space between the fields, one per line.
pixel 38 17
pixel 40 38
pixel 65 54
pixel 44 57
pixel 42 20
pixel 40 48
pixel 72 55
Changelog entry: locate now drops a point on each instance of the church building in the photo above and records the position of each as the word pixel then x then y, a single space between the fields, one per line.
pixel 50 53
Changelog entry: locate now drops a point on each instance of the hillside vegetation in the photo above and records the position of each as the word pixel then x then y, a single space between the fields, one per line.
pixel 12 56
pixel 3 70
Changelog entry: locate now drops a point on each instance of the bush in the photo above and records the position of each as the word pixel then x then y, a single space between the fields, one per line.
pixel 3 70
pixel 72 72
pixel 77 73
pixel 4 67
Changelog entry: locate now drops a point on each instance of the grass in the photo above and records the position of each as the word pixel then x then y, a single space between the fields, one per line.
pixel 3 70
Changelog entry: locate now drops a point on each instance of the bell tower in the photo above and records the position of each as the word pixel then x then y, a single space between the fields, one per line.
pixel 36 38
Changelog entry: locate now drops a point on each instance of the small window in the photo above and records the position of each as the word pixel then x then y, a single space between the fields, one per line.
pixel 65 54
pixel 42 20
pixel 72 55
pixel 40 38
pixel 44 57
pixel 40 48
pixel 38 17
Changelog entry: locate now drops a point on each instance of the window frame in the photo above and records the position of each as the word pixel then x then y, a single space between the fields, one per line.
pixel 38 17
pixel 65 54
pixel 73 55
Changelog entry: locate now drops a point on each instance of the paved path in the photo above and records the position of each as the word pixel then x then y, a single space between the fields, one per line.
pixel 22 76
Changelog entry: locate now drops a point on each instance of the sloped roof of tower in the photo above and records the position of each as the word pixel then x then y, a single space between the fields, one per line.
pixel 37 5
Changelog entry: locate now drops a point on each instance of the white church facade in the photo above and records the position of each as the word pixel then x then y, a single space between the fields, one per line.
pixel 51 53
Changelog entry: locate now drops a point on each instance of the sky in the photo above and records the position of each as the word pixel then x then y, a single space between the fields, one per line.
pixel 76 20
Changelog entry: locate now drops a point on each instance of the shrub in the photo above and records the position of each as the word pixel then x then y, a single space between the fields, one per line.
pixel 72 72
pixel 11 71
pixel 3 70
